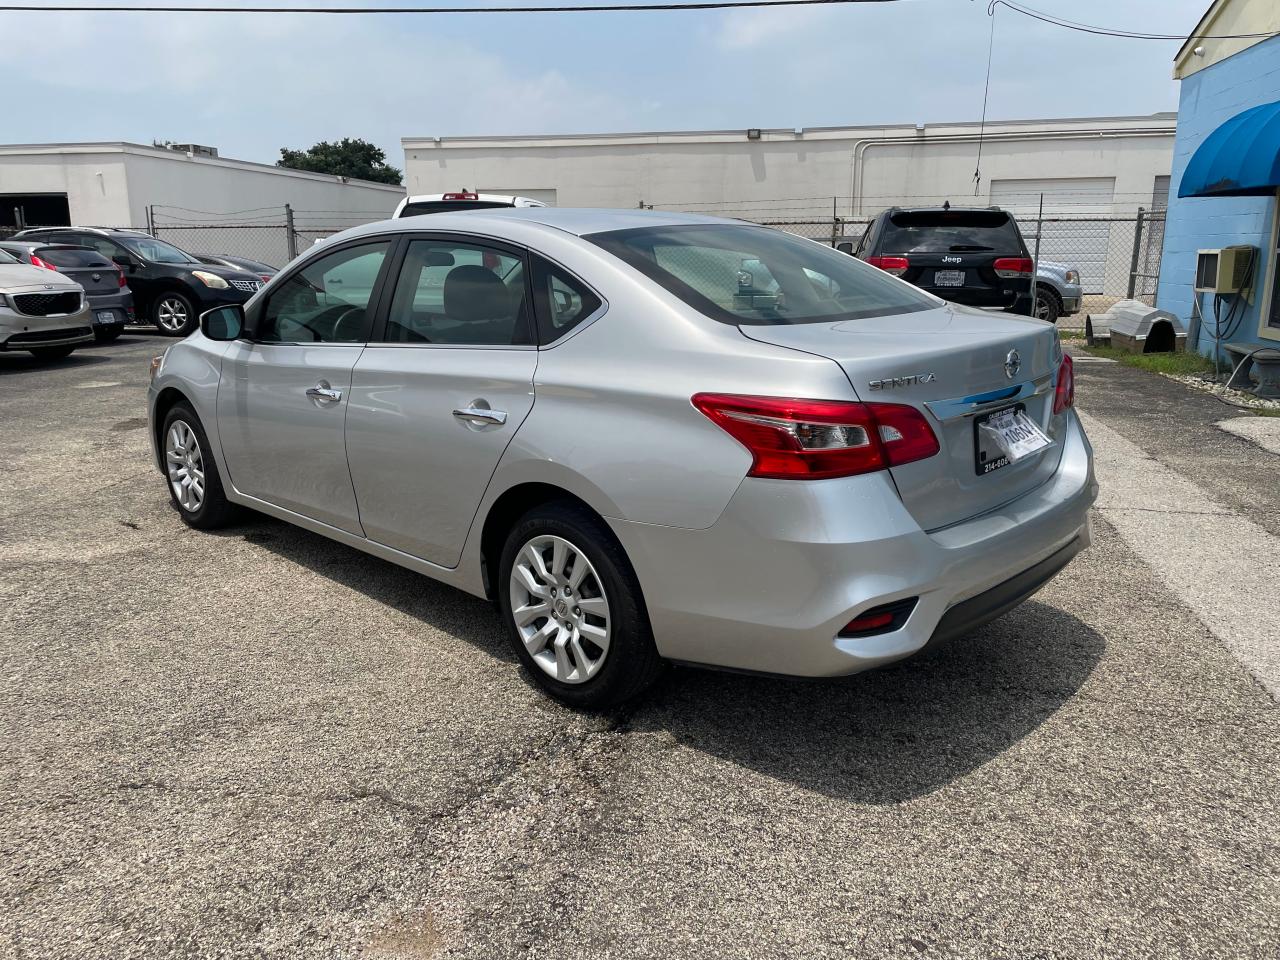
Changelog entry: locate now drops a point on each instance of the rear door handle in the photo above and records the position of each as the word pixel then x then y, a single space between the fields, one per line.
pixel 481 415
pixel 322 391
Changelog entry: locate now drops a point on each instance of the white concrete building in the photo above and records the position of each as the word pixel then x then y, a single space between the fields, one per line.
pixel 1093 165
pixel 113 184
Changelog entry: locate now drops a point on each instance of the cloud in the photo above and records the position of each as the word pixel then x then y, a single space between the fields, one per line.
pixel 754 28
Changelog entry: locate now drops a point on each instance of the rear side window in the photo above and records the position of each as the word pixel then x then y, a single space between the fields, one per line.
pixel 447 206
pixel 72 257
pixel 742 274
pixel 563 300
pixel 950 231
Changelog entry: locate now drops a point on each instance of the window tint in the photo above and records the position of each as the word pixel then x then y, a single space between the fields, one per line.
pixel 73 257
pixel 447 206
pixel 563 300
pixel 950 231
pixel 326 301
pixel 736 274
pixel 157 251
pixel 107 248
pixel 459 293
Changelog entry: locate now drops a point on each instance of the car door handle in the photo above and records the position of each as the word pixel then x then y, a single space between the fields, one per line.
pixel 481 415
pixel 322 391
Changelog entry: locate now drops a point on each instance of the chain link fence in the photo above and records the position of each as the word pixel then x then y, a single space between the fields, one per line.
pixel 1115 256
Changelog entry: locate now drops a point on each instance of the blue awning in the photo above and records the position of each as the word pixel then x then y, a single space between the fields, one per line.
pixel 1239 159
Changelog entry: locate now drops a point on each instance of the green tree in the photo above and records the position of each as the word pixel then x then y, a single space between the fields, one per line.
pixel 356 158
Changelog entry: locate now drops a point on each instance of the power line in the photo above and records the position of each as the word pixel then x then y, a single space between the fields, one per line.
pixel 584 8
pixel 1109 32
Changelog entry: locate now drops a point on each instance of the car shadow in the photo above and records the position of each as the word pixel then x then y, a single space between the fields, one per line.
pixel 12 362
pixel 880 737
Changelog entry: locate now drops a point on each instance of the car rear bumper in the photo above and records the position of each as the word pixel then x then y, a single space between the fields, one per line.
pixel 119 305
pixel 771 584
pixel 977 296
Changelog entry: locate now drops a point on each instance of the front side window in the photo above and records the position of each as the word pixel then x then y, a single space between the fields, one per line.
pixel 451 292
pixel 742 274
pixel 328 300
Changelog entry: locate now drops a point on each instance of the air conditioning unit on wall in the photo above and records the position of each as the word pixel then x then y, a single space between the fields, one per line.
pixel 1227 270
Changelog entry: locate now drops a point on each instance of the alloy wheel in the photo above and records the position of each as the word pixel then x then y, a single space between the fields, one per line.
pixel 1042 307
pixel 185 466
pixel 171 314
pixel 560 609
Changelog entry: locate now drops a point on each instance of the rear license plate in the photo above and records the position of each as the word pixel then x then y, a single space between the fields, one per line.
pixel 948 278
pixel 1003 437
pixel 107 316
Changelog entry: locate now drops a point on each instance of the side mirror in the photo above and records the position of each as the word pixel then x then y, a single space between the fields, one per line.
pixel 223 323
pixel 845 247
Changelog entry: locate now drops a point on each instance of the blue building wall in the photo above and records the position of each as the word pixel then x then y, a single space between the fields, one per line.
pixel 1207 99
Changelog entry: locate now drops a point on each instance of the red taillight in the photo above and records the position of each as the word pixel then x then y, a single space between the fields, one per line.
pixel 37 262
pixel 1064 394
pixel 265 277
pixel 463 195
pixel 120 278
pixel 818 439
pixel 1013 267
pixel 894 265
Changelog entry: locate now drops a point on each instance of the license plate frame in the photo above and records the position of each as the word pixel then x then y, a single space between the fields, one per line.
pixel 948 278
pixel 105 316
pixel 989 461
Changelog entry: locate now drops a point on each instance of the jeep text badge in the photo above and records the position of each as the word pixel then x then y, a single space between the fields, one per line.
pixel 889 383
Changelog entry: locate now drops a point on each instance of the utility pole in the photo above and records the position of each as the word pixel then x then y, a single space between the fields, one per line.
pixel 291 238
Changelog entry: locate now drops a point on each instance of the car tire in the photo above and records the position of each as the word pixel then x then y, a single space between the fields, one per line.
pixel 47 354
pixel 558 638
pixel 1048 307
pixel 201 502
pixel 174 314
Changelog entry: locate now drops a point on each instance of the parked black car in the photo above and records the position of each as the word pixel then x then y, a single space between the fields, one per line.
pixel 110 300
pixel 171 288
pixel 974 256
pixel 263 271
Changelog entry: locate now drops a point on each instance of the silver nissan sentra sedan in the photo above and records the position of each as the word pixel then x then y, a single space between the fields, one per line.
pixel 649 437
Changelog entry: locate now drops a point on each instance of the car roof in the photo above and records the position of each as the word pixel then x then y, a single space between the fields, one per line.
pixel 951 209
pixel 119 231
pixel 577 221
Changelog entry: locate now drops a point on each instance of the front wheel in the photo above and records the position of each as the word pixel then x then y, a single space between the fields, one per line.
pixel 174 314
pixel 573 608
pixel 194 485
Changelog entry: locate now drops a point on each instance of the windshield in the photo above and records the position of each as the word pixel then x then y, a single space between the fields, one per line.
pixel 950 231
pixel 7 257
pixel 156 251
pixel 743 274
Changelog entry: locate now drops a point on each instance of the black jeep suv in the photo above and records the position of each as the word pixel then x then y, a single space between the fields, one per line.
pixel 171 288
pixel 965 255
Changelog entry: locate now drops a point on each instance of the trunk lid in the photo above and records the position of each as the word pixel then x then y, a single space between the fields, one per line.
pixel 950 364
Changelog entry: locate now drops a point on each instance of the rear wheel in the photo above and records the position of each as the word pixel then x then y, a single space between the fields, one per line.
pixel 45 354
pixel 174 314
pixel 573 608
pixel 192 474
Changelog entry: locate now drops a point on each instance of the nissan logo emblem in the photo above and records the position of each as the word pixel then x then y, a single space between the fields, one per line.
pixel 1012 364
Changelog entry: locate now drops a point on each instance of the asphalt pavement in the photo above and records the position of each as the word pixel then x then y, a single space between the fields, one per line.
pixel 262 743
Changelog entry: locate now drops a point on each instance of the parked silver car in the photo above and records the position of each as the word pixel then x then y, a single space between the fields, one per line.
pixel 41 311
pixel 597 419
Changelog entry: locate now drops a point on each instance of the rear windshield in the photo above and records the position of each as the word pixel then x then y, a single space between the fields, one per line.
pixel 950 231
pixel 73 257
pixel 742 274
pixel 448 206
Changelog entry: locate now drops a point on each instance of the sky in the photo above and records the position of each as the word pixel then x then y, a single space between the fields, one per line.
pixel 251 84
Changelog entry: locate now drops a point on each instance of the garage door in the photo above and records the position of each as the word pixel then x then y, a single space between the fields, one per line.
pixel 1071 232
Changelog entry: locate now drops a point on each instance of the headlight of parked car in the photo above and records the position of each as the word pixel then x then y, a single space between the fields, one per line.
pixel 210 279
pixel 1073 276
